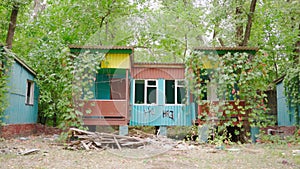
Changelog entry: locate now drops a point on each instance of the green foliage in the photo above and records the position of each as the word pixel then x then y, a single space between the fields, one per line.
pixel 292 90
pixel 64 80
pixel 6 61
pixel 42 39
pixel 279 139
pixel 163 31
pixel 220 137
pixel 238 77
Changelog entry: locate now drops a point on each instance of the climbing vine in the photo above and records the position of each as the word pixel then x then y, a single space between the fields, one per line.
pixel 292 90
pixel 86 66
pixel 229 89
pixel 63 80
pixel 6 60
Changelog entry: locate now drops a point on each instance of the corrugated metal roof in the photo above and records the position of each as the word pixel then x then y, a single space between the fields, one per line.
pixel 100 47
pixel 158 65
pixel 157 73
pixel 25 65
pixel 237 48
pixel 278 80
pixel 20 61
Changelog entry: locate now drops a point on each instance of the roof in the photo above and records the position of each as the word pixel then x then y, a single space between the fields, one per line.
pixel 20 61
pixel 224 50
pixel 102 49
pixel 280 79
pixel 159 65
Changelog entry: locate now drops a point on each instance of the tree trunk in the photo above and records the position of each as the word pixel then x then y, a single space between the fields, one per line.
pixel 249 23
pixel 239 25
pixel 54 120
pixel 12 26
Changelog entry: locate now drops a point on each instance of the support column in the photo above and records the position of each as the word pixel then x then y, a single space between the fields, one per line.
pixel 163 131
pixel 123 130
pixel 203 132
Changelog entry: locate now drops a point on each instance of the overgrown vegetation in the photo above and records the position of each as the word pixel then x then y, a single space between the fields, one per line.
pixel 292 90
pixel 162 31
pixel 6 61
pixel 238 78
pixel 64 80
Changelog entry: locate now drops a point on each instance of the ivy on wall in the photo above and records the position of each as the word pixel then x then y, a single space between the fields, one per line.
pixel 86 66
pixel 292 90
pixel 234 77
pixel 6 60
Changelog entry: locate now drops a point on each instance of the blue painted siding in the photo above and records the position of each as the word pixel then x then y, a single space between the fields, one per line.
pixel 18 112
pixel 285 114
pixel 160 114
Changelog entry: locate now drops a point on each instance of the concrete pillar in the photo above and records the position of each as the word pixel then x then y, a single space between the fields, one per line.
pixel 203 132
pixel 123 130
pixel 163 131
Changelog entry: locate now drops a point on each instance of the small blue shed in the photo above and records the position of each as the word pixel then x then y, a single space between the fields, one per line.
pixel 285 113
pixel 22 95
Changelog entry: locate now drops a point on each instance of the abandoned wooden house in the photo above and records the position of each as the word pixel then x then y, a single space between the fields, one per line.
pixel 210 96
pixel 144 94
pixel 20 117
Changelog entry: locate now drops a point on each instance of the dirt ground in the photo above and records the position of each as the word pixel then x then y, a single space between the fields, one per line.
pixel 51 154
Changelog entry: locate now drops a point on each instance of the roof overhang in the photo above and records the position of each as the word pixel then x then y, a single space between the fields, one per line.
pixel 102 49
pixel 158 65
pixel 224 50
pixel 20 61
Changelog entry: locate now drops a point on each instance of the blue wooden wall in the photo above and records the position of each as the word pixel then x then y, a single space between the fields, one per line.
pixel 161 114
pixel 285 114
pixel 18 112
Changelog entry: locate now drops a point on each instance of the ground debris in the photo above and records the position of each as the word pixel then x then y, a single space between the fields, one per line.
pixel 31 151
pixel 86 140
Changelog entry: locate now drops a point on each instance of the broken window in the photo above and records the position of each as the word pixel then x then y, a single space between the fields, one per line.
pixel 181 91
pixel 29 92
pixel 151 92
pixel 175 91
pixel 139 94
pixel 110 84
pixel 170 91
pixel 145 92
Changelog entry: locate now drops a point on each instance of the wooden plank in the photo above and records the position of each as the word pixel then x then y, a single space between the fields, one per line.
pixel 81 131
pixel 117 143
pixel 104 122
pixel 84 145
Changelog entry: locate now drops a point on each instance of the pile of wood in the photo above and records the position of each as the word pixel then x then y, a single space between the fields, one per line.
pixel 86 140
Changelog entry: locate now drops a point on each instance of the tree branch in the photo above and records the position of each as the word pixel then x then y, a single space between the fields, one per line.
pixel 249 23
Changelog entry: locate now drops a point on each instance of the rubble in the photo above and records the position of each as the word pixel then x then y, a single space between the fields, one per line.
pixel 80 139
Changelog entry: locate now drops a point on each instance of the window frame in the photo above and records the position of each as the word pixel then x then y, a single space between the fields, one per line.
pixel 29 97
pixel 176 91
pixel 146 85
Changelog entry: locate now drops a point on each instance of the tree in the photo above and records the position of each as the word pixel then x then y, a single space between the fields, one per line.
pixel 12 25
pixel 43 40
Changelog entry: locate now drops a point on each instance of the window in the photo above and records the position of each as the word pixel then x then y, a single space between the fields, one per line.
pixel 29 92
pixel 180 91
pixel 139 94
pixel 151 91
pixel 170 91
pixel 145 92
pixel 175 91
pixel 110 86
